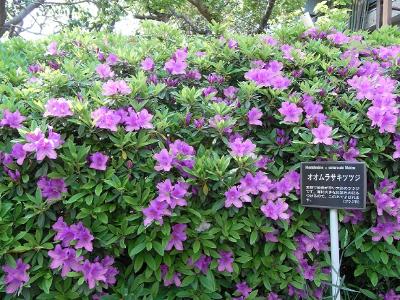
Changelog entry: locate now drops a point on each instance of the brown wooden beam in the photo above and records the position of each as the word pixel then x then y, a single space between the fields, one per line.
pixel 387 12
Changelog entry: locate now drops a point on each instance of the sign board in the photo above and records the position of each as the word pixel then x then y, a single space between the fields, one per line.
pixel 333 184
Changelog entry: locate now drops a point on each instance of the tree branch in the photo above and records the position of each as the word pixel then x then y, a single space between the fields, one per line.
pixel 267 15
pixel 18 18
pixel 203 10
pixel 186 20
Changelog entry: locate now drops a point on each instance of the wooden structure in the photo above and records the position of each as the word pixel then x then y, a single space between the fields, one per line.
pixel 373 14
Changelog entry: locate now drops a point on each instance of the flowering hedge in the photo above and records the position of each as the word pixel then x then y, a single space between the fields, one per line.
pixel 166 167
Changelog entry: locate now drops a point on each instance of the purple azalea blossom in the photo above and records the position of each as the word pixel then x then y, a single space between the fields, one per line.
pixel 202 264
pixel 240 147
pixel 276 210
pixel 83 237
pixel 98 161
pixel 52 48
pixel 112 59
pixel 104 71
pixel 147 64
pixel 322 135
pixel 12 120
pixel 254 116
pixel 93 272
pixel 58 108
pixel 243 289
pixel 15 277
pixel 175 279
pixel 156 210
pixel 52 189
pixel 65 258
pixel 112 88
pixel 178 236
pixel 106 118
pixel 175 67
pixel 291 112
pixel 225 261
pixel 18 153
pixel 44 147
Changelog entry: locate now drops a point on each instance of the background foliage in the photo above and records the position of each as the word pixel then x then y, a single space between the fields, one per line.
pixel 110 203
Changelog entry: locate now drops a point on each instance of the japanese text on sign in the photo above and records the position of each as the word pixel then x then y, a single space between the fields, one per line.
pixel 333 184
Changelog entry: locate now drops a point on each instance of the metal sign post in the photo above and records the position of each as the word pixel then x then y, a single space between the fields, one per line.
pixel 333 185
pixel 335 271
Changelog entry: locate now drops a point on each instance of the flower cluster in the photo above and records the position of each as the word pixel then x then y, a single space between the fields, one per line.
pixel 106 118
pixel 180 155
pixel 65 257
pixel 274 206
pixel 269 75
pixel 43 147
pixel 380 90
pixel 15 277
pixel 12 119
pixel 52 188
pixel 58 108
pixel 388 211
pixel 169 196
pixel 177 64
pixel 118 87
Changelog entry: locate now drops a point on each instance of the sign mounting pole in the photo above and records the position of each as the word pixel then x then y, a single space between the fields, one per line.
pixel 335 261
pixel 333 185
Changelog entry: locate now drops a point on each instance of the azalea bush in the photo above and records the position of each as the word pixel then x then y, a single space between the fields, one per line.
pixel 162 166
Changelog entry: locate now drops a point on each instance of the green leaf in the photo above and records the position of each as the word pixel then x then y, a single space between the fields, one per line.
pixel 208 281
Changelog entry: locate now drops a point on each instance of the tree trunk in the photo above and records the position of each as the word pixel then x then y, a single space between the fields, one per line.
pixel 203 10
pixel 267 15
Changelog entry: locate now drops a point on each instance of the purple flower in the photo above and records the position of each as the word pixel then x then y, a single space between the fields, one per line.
pixel 58 108
pixel 111 88
pixel 270 40
pixel 200 54
pixel 178 236
pixel 18 153
pixel 273 296
pixel 104 71
pixel 175 67
pixel 254 116
pixel 12 120
pixel 240 147
pixel 173 195
pixel 322 135
pixel 243 289
pixel 15 277
pixel 135 121
pixel 233 196
pixel 272 236
pixel 164 161
pixel 175 279
pixel 209 90
pixel 65 258
pixel 396 154
pixel 112 59
pixel 215 78
pixel 338 38
pixel 44 147
pixel 106 118
pixel 64 233
pixel 52 189
pixel 98 161
pixel 291 112
pixel 353 216
pixel 225 261
pixel 390 295
pixel 384 230
pixel 193 74
pixel 155 212
pixel 202 264
pixel 180 54
pixel 93 272
pixel 52 48
pixel 111 271
pixel 147 64
pixel 276 210
pixel 83 237
pixel 232 44
pixel 36 68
